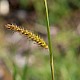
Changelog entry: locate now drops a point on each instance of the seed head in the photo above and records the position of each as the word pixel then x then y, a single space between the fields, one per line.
pixel 29 34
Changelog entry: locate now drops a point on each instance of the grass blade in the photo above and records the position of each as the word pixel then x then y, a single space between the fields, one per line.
pixel 24 72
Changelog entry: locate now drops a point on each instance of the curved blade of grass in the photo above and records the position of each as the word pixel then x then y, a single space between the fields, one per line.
pixel 49 40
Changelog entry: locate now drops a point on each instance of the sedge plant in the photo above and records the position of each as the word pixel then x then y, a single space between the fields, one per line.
pixel 38 40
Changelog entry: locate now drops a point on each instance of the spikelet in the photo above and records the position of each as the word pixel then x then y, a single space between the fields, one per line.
pixel 29 34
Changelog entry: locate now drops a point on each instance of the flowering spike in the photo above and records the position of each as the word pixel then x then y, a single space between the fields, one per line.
pixel 29 34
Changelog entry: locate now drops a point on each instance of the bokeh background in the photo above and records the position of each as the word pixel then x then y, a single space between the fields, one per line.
pixel 17 50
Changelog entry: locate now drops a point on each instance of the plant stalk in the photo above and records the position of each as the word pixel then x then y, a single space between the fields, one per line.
pixel 49 40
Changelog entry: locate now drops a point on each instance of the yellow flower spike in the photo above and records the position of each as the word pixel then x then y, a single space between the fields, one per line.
pixel 29 34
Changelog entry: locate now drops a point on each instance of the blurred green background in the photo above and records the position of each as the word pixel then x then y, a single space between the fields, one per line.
pixel 17 50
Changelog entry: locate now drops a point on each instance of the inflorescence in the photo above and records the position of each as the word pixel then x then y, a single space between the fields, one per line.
pixel 29 34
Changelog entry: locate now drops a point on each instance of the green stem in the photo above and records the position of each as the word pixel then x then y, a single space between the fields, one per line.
pixel 49 41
